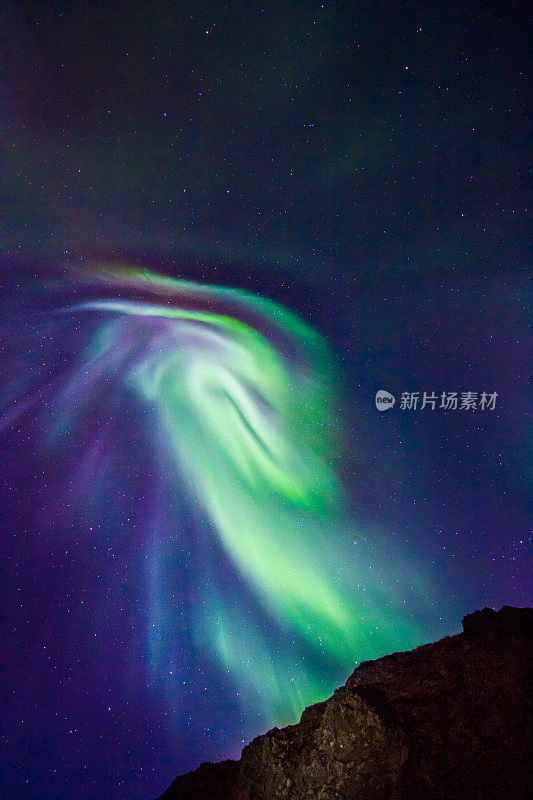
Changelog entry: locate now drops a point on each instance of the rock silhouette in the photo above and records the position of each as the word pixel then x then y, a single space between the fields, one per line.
pixel 445 721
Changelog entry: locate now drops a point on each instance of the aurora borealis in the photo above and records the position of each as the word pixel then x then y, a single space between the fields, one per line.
pixel 189 455
pixel 225 233
pixel 241 423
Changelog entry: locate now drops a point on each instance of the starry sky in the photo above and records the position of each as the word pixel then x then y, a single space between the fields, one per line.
pixel 227 227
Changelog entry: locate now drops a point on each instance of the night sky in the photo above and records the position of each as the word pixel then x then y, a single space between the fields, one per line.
pixel 228 226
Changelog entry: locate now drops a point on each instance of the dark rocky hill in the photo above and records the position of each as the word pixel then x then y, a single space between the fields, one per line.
pixel 446 721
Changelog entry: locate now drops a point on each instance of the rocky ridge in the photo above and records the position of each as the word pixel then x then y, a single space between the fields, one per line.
pixel 445 721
